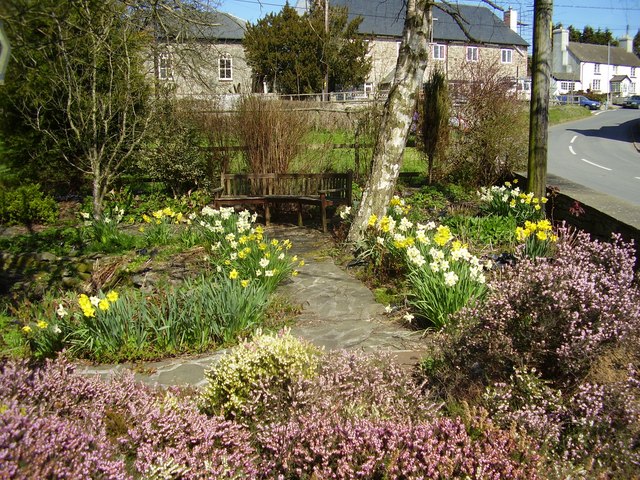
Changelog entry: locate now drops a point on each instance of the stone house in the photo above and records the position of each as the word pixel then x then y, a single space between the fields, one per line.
pixel 205 58
pixel 596 68
pixel 488 40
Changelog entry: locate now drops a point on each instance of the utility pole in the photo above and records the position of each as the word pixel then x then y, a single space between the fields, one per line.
pixel 539 111
pixel 325 89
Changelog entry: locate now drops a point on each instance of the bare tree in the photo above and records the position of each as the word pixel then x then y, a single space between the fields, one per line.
pixel 397 116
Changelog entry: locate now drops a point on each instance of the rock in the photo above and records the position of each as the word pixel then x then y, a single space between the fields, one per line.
pixel 47 257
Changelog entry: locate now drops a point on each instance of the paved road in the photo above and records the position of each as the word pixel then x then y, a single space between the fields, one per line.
pixel 598 152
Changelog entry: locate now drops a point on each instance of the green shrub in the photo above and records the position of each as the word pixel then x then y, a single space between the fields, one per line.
pixel 492 231
pixel 27 205
pixel 266 366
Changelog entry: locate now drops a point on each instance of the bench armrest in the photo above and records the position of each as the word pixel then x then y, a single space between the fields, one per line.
pixel 217 190
pixel 332 190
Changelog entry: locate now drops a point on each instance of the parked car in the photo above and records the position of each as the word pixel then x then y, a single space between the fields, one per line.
pixel 579 100
pixel 632 102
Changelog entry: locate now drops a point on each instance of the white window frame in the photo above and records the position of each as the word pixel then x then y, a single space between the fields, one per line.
pixel 596 69
pixel 225 68
pixel 632 88
pixel 165 66
pixel 506 55
pixel 633 72
pixel 439 52
pixel 472 54
pixel 596 84
pixel 567 86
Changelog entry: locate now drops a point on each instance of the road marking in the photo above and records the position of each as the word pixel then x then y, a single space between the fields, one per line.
pixel 571 149
pixel 638 178
pixel 573 139
pixel 595 164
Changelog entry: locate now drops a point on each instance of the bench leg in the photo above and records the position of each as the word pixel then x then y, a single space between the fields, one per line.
pixel 299 214
pixel 323 207
pixel 267 214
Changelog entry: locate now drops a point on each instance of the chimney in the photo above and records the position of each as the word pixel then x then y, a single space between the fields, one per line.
pixel 560 61
pixel 511 19
pixel 627 43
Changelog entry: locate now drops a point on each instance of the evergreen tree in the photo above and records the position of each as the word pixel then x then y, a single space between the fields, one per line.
pixel 291 53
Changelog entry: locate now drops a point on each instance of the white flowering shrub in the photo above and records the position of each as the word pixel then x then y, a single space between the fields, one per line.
pixel 261 368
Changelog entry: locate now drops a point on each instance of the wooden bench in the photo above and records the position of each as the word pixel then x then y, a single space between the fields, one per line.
pixel 267 189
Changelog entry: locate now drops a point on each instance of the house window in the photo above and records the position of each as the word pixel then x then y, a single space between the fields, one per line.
pixel 596 69
pixel 567 86
pixel 596 85
pixel 506 55
pixel 439 52
pixel 615 69
pixel 472 54
pixel 615 87
pixel 225 71
pixel 632 88
pixel 165 70
pixel 633 71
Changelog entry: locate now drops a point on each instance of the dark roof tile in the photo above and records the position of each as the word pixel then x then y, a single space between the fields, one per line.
pixel 386 18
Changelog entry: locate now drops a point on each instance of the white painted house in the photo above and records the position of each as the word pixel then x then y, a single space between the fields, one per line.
pixel 595 68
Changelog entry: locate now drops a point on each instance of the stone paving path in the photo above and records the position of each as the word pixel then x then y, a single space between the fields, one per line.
pixel 338 312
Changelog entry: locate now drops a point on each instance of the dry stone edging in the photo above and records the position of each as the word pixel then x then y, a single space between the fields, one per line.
pixel 338 312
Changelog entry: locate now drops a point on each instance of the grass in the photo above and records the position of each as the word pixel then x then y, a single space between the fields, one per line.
pixel 566 113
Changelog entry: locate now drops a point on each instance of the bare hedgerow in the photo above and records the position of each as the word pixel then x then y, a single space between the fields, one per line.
pixel 492 137
pixel 271 132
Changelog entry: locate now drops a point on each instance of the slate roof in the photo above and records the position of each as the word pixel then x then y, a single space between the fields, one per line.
pixel 385 18
pixel 585 52
pixel 208 25
pixel 619 78
pixel 566 76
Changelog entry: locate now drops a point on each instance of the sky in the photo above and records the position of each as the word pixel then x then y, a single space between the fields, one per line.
pixel 616 15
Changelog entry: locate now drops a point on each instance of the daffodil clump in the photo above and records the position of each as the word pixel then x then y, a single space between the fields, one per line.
pixel 443 275
pixel 241 250
pixel 537 237
pixel 158 226
pixel 509 200
pixel 55 325
pixel 93 304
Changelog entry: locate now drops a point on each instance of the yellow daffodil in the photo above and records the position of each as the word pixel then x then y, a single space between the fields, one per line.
pixel 372 220
pixel 112 296
pixel 26 329
pixel 103 305
pixel 244 283
pixel 42 324
pixel 234 274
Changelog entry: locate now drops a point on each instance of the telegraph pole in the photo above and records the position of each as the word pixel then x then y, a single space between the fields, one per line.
pixel 539 111
pixel 325 88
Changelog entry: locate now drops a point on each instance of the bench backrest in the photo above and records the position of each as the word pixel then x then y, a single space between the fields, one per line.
pixel 337 185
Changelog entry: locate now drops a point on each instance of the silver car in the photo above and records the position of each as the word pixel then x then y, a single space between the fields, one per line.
pixel 632 102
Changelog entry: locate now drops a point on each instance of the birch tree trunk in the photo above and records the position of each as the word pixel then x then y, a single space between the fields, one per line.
pixel 396 117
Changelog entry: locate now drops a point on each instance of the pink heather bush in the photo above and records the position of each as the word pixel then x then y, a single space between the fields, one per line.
pixel 321 445
pixel 108 421
pixel 36 446
pixel 557 316
pixel 557 342
pixel 363 418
